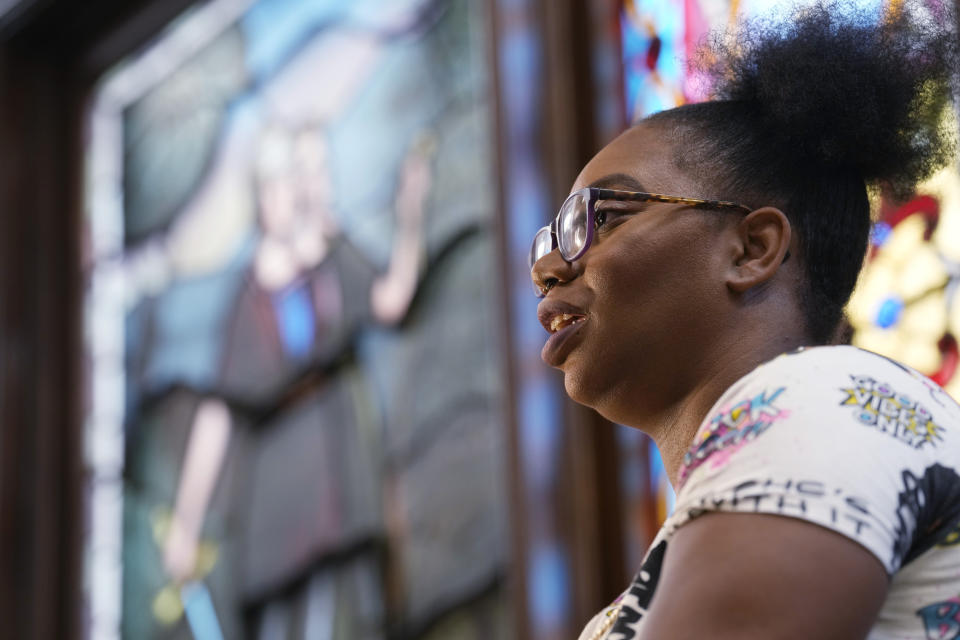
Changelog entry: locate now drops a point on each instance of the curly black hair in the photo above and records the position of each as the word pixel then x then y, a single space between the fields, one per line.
pixel 807 114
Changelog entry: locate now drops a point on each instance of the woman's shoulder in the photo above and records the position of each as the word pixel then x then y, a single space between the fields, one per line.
pixel 841 394
pixel 843 376
pixel 839 436
pixel 832 360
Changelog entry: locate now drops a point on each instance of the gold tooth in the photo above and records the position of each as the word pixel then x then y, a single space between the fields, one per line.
pixel 559 320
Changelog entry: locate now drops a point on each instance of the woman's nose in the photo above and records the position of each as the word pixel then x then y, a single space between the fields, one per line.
pixel 551 270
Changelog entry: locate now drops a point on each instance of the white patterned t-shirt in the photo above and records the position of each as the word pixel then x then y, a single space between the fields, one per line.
pixel 843 438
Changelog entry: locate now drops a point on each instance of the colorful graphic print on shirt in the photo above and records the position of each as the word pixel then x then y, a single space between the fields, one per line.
pixel 878 405
pixel 929 507
pixel 731 428
pixel 952 539
pixel 941 621
pixel 931 503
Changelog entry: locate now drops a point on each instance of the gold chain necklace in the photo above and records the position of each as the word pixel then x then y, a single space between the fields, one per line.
pixel 612 616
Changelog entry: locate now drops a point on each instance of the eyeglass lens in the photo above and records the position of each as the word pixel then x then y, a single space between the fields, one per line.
pixel 542 245
pixel 572 232
pixel 572 227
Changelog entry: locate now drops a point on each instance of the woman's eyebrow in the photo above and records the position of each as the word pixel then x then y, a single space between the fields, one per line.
pixel 615 180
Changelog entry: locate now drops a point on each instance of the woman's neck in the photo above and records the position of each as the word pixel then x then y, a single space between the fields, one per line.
pixel 674 429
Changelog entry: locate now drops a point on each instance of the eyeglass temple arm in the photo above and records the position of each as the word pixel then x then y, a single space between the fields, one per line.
pixel 614 194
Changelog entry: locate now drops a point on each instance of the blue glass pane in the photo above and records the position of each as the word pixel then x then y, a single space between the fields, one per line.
pixel 295 321
pixel 201 615
pixel 880 233
pixel 665 495
pixel 188 331
pixel 549 584
pixel 889 313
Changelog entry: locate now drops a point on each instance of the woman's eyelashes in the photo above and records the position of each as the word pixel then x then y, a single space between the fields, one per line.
pixel 608 217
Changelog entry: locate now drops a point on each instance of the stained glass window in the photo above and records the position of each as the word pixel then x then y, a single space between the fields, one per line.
pixel 905 302
pixel 295 422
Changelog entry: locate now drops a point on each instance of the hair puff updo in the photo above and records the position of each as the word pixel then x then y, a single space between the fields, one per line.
pixel 809 112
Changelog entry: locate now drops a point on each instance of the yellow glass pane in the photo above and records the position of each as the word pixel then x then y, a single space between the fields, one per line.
pixel 926 319
pixel 885 341
pixel 904 241
pixel 167 605
pixel 953 316
pixel 922 355
pixel 875 284
pixel 921 273
pixel 945 187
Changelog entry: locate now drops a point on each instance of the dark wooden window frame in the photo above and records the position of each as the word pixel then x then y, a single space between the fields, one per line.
pixel 51 54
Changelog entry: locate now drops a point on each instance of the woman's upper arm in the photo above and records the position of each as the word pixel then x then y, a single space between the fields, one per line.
pixel 746 576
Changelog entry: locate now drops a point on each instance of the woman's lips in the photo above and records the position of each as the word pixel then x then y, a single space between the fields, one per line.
pixel 566 324
pixel 560 344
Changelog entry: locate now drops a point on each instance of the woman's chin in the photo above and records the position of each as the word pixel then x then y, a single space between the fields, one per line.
pixel 615 402
pixel 581 388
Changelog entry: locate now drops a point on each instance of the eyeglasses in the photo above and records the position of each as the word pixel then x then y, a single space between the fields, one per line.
pixel 573 228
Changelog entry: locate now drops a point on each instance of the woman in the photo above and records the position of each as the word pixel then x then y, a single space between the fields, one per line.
pixel 818 491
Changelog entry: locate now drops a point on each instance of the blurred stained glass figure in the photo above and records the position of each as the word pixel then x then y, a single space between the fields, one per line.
pixel 310 289
pixel 293 199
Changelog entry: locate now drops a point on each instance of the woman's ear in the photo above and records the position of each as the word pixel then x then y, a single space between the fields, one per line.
pixel 763 244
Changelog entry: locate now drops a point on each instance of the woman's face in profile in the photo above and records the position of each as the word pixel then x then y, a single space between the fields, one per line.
pixel 647 293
